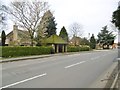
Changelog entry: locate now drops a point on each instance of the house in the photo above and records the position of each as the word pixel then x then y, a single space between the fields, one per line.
pixel 75 41
pixel 18 37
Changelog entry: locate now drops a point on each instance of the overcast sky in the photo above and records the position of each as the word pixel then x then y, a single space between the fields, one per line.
pixel 91 14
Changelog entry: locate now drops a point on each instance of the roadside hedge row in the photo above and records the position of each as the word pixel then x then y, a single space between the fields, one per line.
pixel 8 51
pixel 24 51
pixel 78 48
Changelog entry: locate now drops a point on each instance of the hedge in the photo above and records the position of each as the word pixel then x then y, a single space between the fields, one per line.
pixel 24 51
pixel 77 48
pixel 8 51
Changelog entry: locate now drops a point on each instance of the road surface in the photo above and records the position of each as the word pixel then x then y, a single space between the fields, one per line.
pixel 79 70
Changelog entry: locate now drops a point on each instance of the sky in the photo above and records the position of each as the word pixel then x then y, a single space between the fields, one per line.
pixel 91 14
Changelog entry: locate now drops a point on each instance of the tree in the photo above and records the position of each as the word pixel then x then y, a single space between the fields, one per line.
pixel 105 37
pixel 42 28
pixel 51 29
pixel 3 17
pixel 47 26
pixel 75 29
pixel 64 34
pixel 116 18
pixel 92 42
pixel 84 41
pixel 3 37
pixel 27 15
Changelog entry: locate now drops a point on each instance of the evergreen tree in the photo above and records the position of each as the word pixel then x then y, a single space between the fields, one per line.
pixel 51 28
pixel 116 18
pixel 106 37
pixel 64 34
pixel 92 42
pixel 3 37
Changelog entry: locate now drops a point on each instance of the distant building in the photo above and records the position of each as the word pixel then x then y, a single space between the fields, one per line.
pixel 18 37
pixel 75 41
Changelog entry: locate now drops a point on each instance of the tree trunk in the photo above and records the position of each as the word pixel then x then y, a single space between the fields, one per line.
pixel 31 41
pixel 103 46
pixel 119 38
pixel 107 46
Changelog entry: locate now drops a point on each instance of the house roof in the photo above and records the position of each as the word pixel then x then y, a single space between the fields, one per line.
pixel 21 34
pixel 55 39
pixel 74 39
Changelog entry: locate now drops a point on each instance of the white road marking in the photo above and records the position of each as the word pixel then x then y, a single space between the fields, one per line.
pixel 75 64
pixel 23 81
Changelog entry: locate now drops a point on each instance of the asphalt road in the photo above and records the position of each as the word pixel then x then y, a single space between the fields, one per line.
pixel 67 71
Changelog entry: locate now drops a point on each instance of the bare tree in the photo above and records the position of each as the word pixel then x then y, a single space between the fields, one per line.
pixel 27 15
pixel 3 17
pixel 76 32
pixel 76 29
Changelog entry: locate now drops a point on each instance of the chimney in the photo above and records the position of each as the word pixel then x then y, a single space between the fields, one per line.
pixel 15 32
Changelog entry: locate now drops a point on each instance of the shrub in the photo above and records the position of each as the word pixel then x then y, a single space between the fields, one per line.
pixel 8 51
pixel 24 51
pixel 78 48
pixel 73 49
pixel 0 51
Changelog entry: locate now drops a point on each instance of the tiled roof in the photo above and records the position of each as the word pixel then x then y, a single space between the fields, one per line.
pixel 21 34
pixel 55 39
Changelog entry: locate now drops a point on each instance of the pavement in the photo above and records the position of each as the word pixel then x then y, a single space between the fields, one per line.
pixel 3 60
pixel 36 56
pixel 30 57
pixel 80 70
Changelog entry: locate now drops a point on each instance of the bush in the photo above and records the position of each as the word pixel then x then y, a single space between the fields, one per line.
pixel 78 48
pixel 0 51
pixel 8 51
pixel 24 51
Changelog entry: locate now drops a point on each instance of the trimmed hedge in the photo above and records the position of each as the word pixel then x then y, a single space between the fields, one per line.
pixel 77 48
pixel 0 51
pixel 28 51
pixel 24 51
